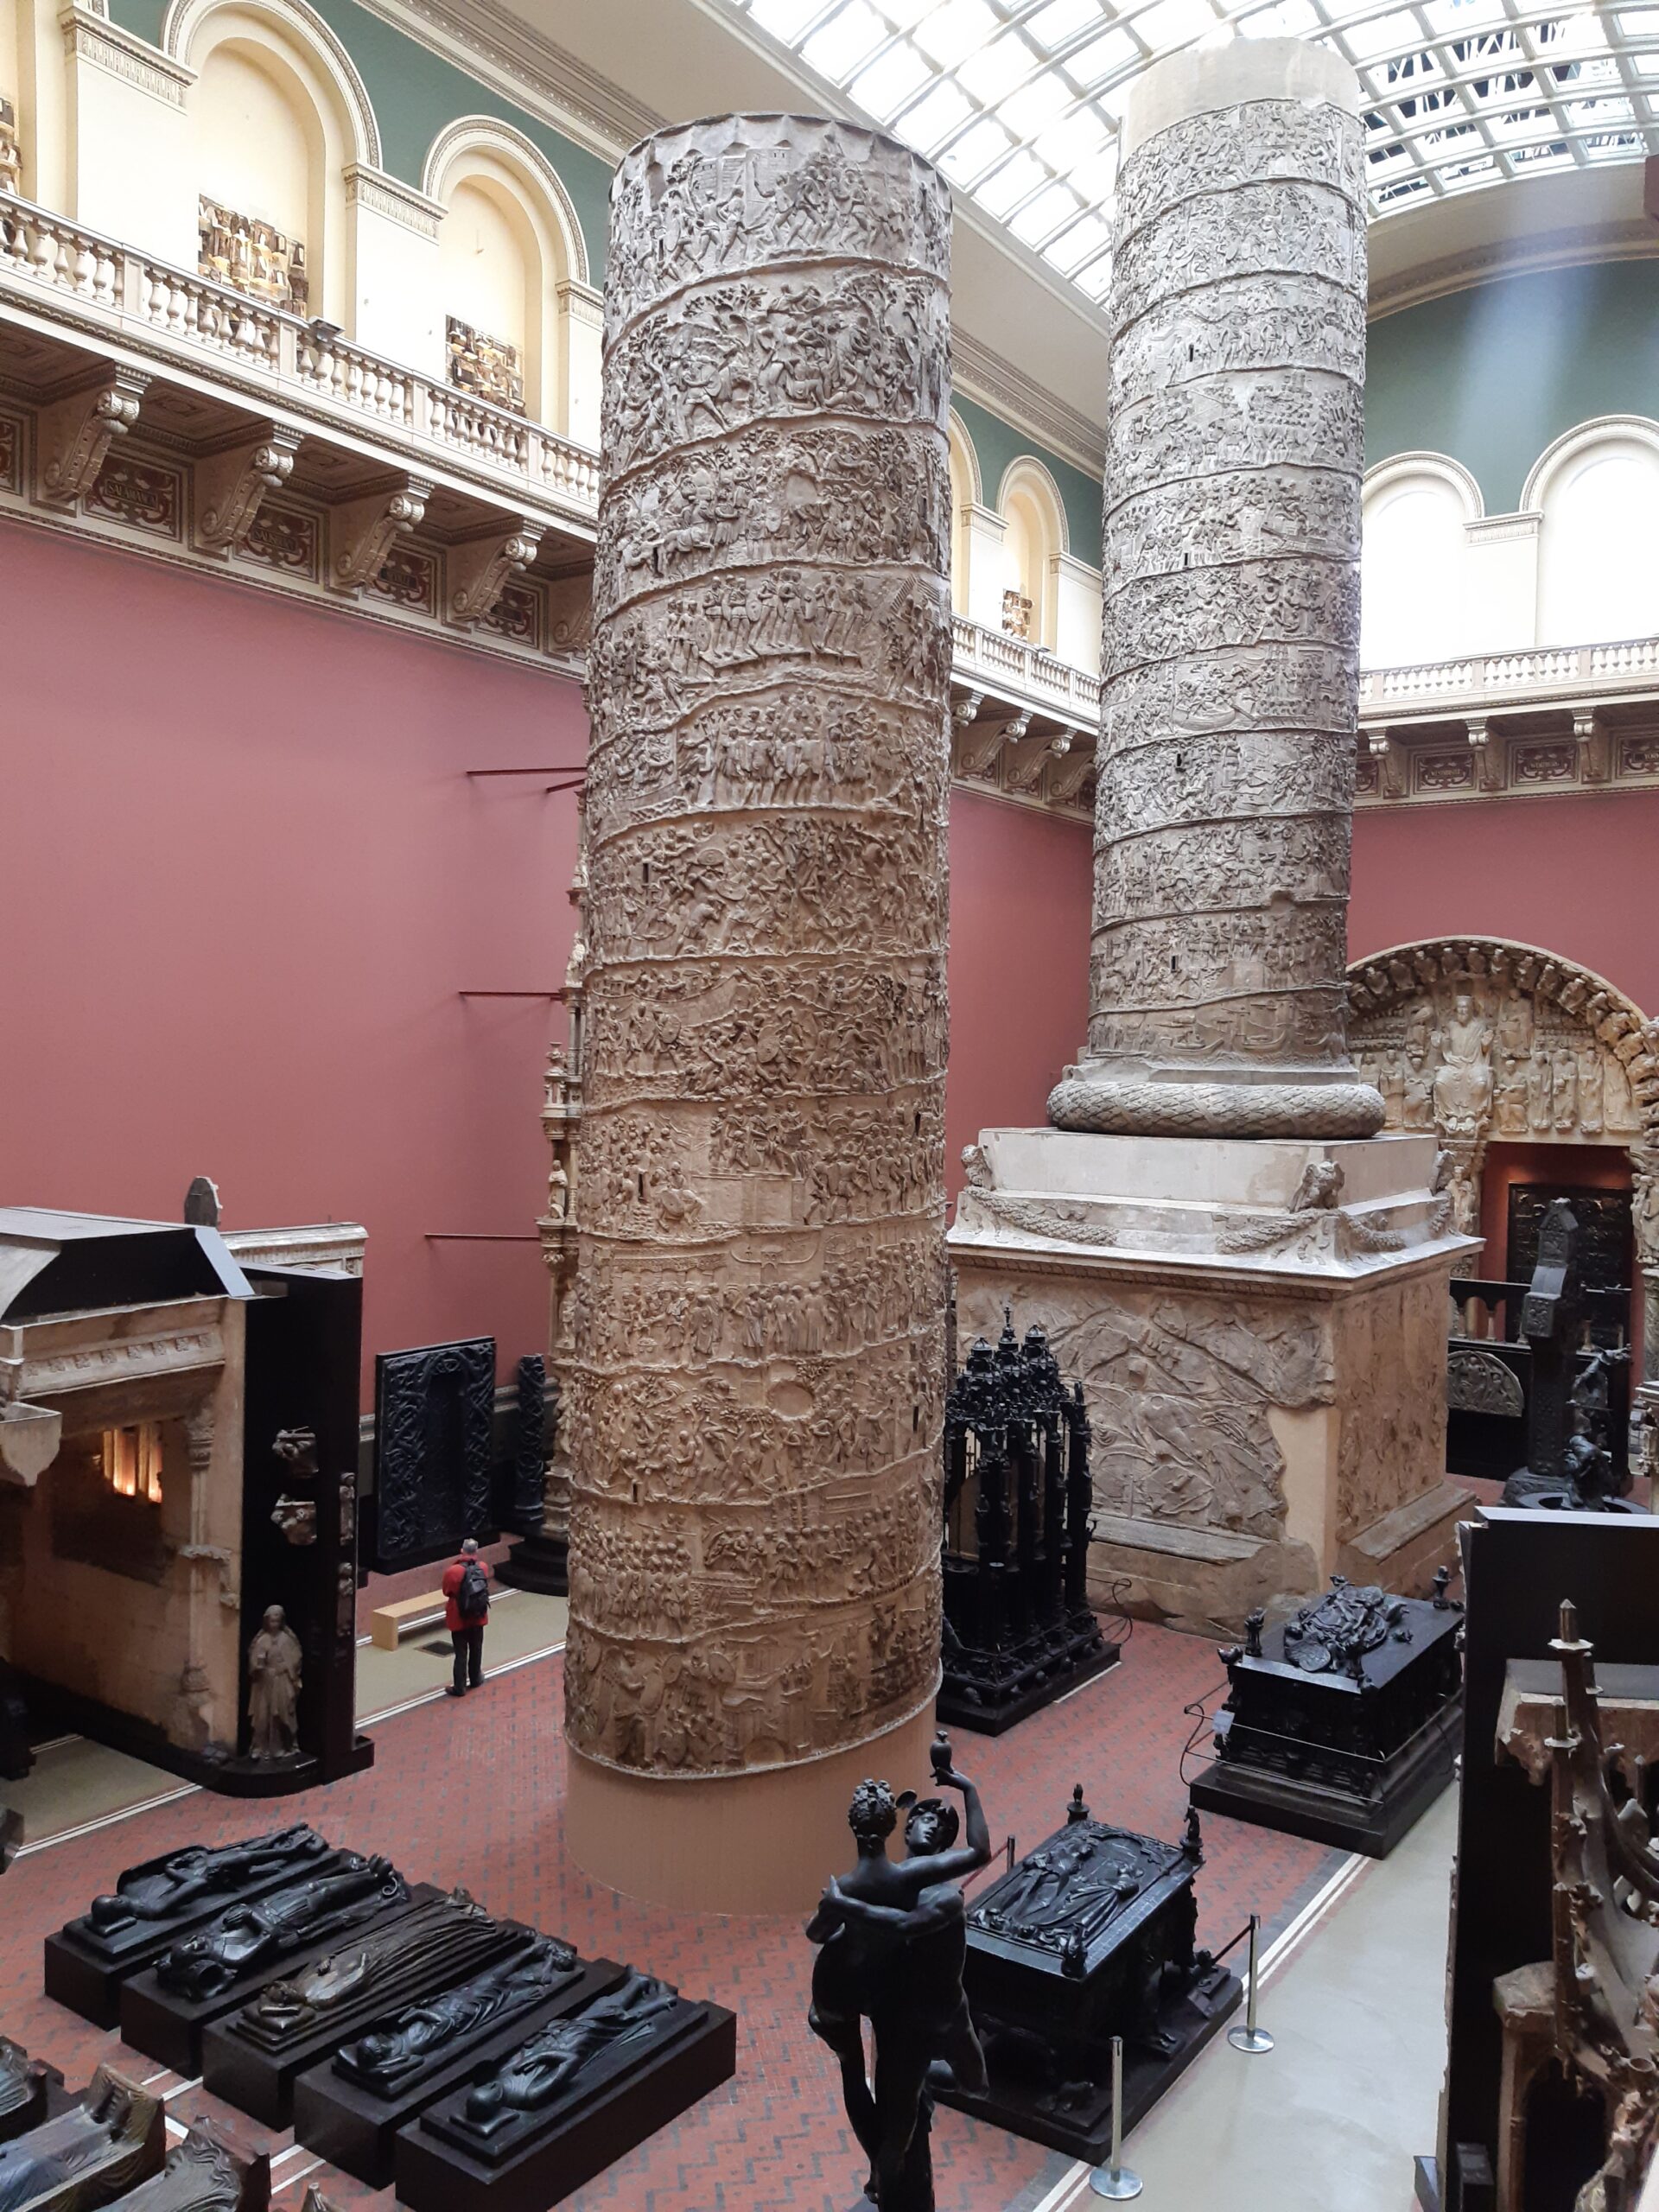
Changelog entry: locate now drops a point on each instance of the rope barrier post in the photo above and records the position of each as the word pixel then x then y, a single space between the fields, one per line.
pixel 1116 2180
pixel 1249 2037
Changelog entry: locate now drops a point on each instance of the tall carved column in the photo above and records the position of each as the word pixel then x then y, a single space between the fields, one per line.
pixel 756 1390
pixel 1231 623
pixel 1250 1283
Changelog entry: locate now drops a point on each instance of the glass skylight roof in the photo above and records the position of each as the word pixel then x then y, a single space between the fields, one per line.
pixel 1018 101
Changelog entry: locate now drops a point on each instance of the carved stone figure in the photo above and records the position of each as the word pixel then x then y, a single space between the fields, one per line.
pixel 87 2156
pixel 1231 627
pixel 401 2046
pixel 348 1890
pixel 1463 1084
pixel 444 1934
pixel 164 1888
pixel 205 2174
pixel 752 1401
pixel 893 1938
pixel 552 2061
pixel 273 1670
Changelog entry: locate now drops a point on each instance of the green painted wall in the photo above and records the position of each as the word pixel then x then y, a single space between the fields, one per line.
pixel 997 443
pixel 1492 376
pixel 415 93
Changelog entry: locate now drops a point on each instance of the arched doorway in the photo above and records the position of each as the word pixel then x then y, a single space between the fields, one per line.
pixel 1539 1078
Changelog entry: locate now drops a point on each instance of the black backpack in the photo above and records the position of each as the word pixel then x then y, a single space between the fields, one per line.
pixel 473 1596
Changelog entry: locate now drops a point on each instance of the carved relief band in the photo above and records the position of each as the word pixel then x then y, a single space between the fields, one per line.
pixel 753 1404
pixel 1231 613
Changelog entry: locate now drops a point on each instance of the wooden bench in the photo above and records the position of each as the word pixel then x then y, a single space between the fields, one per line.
pixel 389 1623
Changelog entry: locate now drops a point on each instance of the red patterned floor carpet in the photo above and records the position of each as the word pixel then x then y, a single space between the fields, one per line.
pixel 471 1794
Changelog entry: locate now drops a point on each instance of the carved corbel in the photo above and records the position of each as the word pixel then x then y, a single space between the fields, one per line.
pixel 1071 764
pixel 1392 780
pixel 75 434
pixel 361 532
pixel 1024 761
pixel 1488 751
pixel 479 569
pixel 229 486
pixel 977 749
pixel 966 709
pixel 1593 742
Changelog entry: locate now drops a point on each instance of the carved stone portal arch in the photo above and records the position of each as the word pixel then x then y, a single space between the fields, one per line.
pixel 1477 1038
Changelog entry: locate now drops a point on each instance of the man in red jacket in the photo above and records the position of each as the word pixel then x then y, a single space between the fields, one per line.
pixel 466 1612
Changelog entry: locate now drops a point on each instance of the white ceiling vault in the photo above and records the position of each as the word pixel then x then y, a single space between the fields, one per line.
pixel 1018 101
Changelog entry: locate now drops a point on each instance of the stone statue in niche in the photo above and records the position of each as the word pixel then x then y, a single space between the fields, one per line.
pixel 1463 1083
pixel 274 1670
pixel 892 1937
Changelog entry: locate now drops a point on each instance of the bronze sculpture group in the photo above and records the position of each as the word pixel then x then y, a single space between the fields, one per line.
pixel 893 1938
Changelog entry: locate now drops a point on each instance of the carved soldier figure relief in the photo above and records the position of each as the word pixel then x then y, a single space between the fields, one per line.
pixel 751 1416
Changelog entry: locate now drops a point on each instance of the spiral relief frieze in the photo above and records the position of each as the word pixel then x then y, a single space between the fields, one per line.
pixel 755 1403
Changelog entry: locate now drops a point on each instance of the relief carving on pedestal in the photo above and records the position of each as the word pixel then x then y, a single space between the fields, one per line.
pixel 754 1395
pixel 1479 1039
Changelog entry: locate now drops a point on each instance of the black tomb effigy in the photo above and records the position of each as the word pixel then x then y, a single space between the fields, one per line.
pixel 1343 1724
pixel 1018 1631
pixel 1089 1937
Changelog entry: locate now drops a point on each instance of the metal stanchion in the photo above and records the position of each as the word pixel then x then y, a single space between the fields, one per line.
pixel 1115 2180
pixel 1249 2037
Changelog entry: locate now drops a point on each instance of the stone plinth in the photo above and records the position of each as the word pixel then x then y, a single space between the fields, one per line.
pixel 755 1395
pixel 1258 1327
pixel 1235 446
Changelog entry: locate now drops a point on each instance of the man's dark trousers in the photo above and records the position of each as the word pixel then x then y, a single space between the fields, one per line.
pixel 469 1656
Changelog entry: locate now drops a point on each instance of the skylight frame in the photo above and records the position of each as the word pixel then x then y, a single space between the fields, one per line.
pixel 1439 119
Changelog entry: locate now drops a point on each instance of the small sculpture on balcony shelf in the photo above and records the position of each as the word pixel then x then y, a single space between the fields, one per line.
pixel 894 1944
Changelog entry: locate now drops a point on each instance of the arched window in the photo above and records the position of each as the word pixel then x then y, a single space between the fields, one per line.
pixel 1599 555
pixel 512 265
pixel 276 115
pixel 1414 599
pixel 1033 536
pixel 965 494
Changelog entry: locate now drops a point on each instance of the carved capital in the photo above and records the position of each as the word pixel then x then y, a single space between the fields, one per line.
pixel 1392 779
pixel 1594 743
pixel 1489 754
pixel 229 485
pixel 74 434
pixel 478 570
pixel 361 532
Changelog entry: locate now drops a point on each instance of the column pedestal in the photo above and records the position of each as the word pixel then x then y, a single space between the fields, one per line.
pixel 1260 1330
pixel 765 1841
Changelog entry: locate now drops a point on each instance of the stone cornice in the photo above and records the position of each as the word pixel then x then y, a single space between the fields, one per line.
pixel 88 35
pixel 1634 240
pixel 545 81
pixel 391 197
pixel 984 375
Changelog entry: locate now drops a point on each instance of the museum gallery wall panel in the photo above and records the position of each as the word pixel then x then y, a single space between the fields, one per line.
pixel 253 880
pixel 256 879
pixel 1572 875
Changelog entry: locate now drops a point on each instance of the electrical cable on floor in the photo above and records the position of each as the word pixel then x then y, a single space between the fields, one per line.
pixel 1114 1612
pixel 1199 1713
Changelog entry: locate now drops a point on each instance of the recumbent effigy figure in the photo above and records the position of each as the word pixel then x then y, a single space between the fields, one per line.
pixel 893 1938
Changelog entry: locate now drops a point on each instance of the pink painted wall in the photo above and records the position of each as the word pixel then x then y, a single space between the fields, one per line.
pixel 244 878
pixel 1020 898
pixel 1573 874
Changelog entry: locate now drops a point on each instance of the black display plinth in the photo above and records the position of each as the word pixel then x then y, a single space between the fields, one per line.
pixel 988 1692
pixel 86 1964
pixel 256 2072
pixel 345 2122
pixel 1088 1937
pixel 170 2027
pixel 1344 1724
pixel 443 2164
pixel 539 1563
